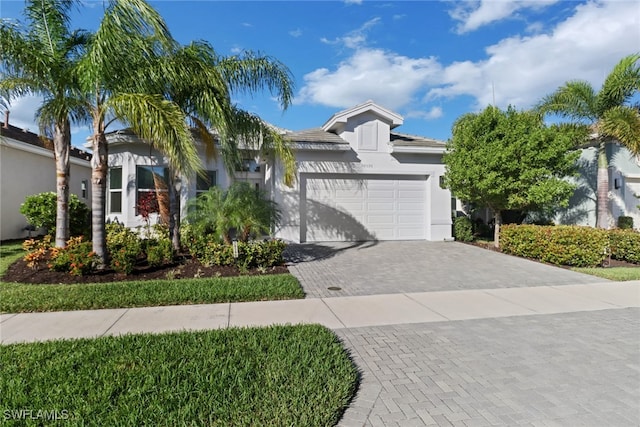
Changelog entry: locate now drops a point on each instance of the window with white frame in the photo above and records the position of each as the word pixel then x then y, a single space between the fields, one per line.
pixel 203 183
pixel 151 181
pixel 115 190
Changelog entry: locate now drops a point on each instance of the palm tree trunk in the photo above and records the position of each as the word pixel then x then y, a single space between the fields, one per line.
pixel 99 171
pixel 174 211
pixel 602 215
pixel 497 216
pixel 61 144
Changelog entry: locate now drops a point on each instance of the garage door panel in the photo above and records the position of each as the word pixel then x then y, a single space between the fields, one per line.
pixel 379 207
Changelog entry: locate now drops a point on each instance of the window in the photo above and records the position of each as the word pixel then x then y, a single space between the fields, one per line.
pixel 204 183
pixel 249 165
pixel 84 185
pixel 151 181
pixel 115 190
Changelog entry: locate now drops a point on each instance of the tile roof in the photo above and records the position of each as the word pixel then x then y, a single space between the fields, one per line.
pixel 314 135
pixel 31 138
pixel 404 140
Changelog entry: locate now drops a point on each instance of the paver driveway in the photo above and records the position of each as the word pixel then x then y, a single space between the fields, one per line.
pixel 561 369
pixel 415 266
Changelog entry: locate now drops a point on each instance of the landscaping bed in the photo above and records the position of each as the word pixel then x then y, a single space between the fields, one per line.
pixel 188 268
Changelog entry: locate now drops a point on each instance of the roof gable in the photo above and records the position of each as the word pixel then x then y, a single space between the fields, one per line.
pixel 339 119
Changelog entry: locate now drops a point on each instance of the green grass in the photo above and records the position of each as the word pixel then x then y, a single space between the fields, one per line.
pixel 19 297
pixel 619 274
pixel 10 252
pixel 277 376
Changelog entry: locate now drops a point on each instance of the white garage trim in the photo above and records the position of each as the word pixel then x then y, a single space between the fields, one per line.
pixel 360 207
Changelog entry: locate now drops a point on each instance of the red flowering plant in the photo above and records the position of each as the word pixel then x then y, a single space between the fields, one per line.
pixel 147 205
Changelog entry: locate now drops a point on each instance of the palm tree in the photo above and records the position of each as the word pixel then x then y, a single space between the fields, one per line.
pixel 112 73
pixel 607 113
pixel 202 87
pixel 41 61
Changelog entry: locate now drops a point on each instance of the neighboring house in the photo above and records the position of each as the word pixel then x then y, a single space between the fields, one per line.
pixel 27 167
pixel 357 180
pixel 624 185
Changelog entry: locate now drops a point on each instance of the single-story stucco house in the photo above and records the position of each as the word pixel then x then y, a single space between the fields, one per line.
pixel 27 167
pixel 357 180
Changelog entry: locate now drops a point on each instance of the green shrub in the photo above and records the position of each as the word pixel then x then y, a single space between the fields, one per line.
pixel 256 254
pixel 625 245
pixel 463 229
pixel 560 245
pixel 159 251
pixel 40 211
pixel 625 222
pixel 124 247
pixel 76 258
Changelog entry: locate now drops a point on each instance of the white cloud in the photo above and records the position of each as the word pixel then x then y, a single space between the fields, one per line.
pixel 22 112
pixel 523 69
pixel 353 1
pixel 389 79
pixel 295 33
pixel 356 38
pixel 433 113
pixel 475 14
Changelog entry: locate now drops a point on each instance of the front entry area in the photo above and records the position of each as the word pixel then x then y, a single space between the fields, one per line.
pixel 350 207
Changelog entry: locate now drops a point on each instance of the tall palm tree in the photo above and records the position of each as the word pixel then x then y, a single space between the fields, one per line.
pixel 112 74
pixel 41 61
pixel 609 115
pixel 202 86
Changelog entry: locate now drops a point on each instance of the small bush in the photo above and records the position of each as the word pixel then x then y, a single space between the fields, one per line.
pixel 159 252
pixel 40 211
pixel 37 250
pixel 124 247
pixel 560 245
pixel 250 254
pixel 625 222
pixel 76 258
pixel 625 245
pixel 463 229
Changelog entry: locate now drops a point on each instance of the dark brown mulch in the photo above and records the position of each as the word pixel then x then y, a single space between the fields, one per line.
pixel 187 268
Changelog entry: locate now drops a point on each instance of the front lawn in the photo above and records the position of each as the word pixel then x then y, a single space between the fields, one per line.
pixel 618 274
pixel 19 297
pixel 280 376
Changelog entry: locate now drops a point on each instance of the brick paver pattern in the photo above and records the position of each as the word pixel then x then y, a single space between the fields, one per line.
pixel 550 370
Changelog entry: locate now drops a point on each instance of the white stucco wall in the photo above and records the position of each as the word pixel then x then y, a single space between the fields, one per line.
pixel 26 170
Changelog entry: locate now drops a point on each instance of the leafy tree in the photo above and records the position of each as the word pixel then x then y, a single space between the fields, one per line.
pixel 510 160
pixel 39 58
pixel 608 114
pixel 113 72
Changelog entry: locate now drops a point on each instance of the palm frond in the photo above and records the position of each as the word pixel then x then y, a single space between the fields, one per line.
pixel 623 124
pixel 576 100
pixel 161 123
pixel 621 84
pixel 252 72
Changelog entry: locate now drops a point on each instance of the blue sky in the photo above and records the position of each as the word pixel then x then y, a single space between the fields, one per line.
pixel 429 61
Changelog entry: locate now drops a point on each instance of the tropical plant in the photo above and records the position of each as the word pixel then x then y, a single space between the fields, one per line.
pixel 508 160
pixel 241 211
pixel 201 82
pixel 113 74
pixel 39 58
pixel 608 114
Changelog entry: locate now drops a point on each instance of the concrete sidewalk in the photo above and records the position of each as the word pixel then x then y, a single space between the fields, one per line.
pixel 335 313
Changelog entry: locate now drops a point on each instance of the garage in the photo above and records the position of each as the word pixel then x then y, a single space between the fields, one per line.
pixel 337 207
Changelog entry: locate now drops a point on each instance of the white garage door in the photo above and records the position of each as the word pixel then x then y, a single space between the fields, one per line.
pixel 366 207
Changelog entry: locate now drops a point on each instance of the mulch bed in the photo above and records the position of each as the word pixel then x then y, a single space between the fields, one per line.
pixel 186 268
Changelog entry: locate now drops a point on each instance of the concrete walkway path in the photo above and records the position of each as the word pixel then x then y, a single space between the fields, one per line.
pixel 335 313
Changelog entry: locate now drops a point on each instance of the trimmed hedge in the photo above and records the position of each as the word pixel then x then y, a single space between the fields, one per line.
pixel 625 245
pixel 261 254
pixel 625 222
pixel 561 245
